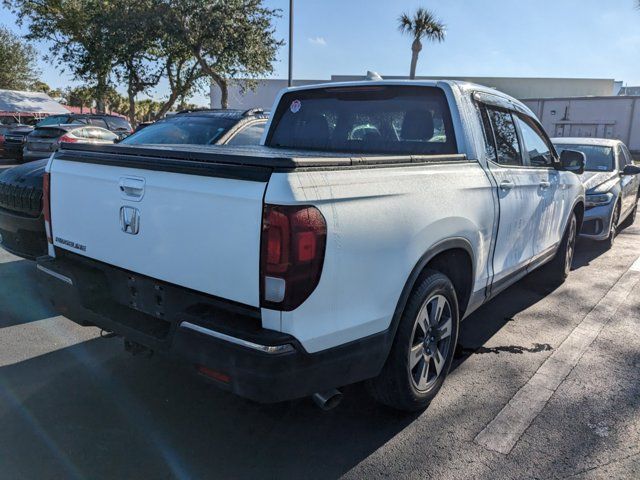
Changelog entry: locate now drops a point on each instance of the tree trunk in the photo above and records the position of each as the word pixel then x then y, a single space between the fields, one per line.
pixel 132 104
pixel 224 92
pixel 101 90
pixel 415 51
pixel 220 81
pixel 167 106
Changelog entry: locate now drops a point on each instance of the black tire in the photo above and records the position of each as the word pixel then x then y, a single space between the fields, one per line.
pixel 398 385
pixel 558 269
pixel 614 228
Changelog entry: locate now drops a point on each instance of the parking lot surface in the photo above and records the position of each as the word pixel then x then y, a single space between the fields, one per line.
pixel 546 385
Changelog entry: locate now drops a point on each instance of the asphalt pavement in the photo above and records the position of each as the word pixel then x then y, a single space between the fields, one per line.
pixel 546 385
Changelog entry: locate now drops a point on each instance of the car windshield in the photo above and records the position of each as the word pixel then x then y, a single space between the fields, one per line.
pixel 183 129
pixel 599 158
pixel 362 119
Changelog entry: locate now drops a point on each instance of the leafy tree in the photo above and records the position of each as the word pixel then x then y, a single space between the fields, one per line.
pixel 40 86
pixel 78 39
pixel 79 96
pixel 229 39
pixel 17 61
pixel 136 27
pixel 423 24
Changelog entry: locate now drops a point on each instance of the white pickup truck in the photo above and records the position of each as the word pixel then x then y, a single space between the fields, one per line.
pixel 345 248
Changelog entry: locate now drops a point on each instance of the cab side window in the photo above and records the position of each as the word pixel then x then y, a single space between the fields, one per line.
pixel 504 130
pixel 537 148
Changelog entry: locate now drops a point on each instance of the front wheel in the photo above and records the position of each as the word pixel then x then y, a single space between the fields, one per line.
pixel 423 348
pixel 559 268
pixel 613 229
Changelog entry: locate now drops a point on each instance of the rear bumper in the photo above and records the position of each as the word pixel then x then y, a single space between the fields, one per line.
pixel 22 235
pixel 256 363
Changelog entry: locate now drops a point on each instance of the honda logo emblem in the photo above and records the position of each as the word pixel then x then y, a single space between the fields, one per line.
pixel 130 220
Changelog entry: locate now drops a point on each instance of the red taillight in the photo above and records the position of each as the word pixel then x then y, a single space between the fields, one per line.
pixel 1 138
pixel 46 205
pixel 67 138
pixel 293 246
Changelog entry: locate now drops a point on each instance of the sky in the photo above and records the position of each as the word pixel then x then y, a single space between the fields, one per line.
pixel 519 38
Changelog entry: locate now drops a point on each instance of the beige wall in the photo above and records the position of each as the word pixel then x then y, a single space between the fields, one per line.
pixel 522 88
pixel 602 117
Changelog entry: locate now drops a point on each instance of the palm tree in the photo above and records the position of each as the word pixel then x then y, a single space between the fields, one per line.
pixel 422 25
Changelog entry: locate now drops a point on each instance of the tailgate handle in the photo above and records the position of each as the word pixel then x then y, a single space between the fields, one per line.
pixel 132 188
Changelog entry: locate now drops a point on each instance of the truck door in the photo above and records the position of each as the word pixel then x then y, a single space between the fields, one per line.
pixel 518 195
pixel 539 160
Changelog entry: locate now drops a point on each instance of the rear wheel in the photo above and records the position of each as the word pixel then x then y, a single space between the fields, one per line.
pixel 423 349
pixel 558 269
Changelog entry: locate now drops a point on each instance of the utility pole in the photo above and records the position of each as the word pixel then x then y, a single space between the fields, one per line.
pixel 290 77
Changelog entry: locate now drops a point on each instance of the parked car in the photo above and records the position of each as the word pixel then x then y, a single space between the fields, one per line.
pixel 612 185
pixel 21 221
pixel 44 140
pixel 321 258
pixel 23 231
pixel 16 139
pixel 4 129
pixel 204 127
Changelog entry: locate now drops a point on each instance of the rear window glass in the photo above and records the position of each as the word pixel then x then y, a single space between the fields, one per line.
pixel 47 133
pixel 599 158
pixel 118 123
pixel 376 119
pixel 185 130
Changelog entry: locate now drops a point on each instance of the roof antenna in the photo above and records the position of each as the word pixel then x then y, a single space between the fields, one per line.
pixel 373 75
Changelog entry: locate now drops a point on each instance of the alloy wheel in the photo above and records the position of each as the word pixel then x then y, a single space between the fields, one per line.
pixel 430 342
pixel 571 247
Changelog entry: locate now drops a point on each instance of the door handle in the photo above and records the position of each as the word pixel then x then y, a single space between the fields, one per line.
pixel 545 184
pixel 506 185
pixel 132 188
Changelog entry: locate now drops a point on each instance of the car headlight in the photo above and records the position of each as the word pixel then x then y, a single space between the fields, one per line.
pixel 599 199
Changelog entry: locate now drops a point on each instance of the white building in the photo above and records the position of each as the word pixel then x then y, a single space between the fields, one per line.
pixel 584 107
pixel 264 94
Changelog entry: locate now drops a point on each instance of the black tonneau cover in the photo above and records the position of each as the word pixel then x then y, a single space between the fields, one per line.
pixel 251 163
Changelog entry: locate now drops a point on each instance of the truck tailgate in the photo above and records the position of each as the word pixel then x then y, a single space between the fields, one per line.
pixel 197 231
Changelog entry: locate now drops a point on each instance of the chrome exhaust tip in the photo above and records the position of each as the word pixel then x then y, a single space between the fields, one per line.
pixel 327 400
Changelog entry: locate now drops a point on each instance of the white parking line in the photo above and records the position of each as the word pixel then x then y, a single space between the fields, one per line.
pixel 502 433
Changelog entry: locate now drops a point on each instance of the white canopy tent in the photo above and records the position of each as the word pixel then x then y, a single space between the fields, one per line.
pixel 17 103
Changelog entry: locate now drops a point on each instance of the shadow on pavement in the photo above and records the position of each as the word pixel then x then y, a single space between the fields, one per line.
pixel 92 411
pixel 20 299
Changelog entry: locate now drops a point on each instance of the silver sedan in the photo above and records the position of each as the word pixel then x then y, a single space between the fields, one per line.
pixel 611 183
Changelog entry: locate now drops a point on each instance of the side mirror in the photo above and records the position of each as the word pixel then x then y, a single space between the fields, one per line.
pixel 631 170
pixel 572 161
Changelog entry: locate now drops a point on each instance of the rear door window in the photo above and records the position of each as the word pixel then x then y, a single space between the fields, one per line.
pixel 249 135
pixel 118 124
pixel 504 130
pixel 362 119
pixel 98 122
